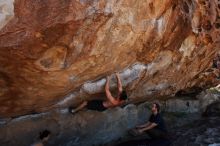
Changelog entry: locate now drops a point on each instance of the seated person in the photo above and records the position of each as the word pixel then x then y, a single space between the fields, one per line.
pixel 44 136
pixel 101 105
pixel 155 127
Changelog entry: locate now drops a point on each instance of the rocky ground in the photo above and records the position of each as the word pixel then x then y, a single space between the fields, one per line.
pixel 199 129
pixel 202 132
pixel 188 126
pixel 191 130
pixel 191 121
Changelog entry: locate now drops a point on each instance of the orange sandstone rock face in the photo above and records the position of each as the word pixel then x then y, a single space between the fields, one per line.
pixel 56 53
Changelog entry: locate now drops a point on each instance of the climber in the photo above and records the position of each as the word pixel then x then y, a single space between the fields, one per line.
pixel 101 105
pixel 155 127
pixel 44 136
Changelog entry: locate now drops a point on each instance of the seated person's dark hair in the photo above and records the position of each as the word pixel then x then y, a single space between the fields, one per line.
pixel 123 95
pixel 44 134
pixel 157 106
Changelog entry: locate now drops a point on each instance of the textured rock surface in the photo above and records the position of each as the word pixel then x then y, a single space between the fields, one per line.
pixel 6 12
pixel 111 126
pixel 55 53
pixel 83 129
pixel 190 135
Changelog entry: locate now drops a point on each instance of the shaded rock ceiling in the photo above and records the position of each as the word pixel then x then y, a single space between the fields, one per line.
pixel 56 53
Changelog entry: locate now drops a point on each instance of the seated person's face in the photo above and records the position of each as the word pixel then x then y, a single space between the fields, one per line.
pixel 153 108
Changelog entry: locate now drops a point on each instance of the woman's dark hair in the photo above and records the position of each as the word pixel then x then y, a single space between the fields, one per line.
pixel 157 106
pixel 44 134
pixel 123 95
